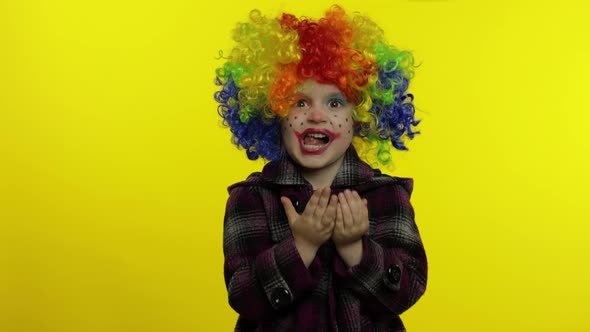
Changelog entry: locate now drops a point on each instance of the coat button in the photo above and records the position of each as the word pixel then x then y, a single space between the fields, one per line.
pixel 394 274
pixel 295 203
pixel 280 297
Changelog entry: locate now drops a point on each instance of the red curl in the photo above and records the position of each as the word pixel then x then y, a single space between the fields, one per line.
pixel 328 55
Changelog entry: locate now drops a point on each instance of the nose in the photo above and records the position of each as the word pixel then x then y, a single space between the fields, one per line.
pixel 316 115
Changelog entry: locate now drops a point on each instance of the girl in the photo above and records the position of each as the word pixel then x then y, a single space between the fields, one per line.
pixel 319 241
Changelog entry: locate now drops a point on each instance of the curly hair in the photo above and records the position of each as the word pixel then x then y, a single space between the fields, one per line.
pixel 259 79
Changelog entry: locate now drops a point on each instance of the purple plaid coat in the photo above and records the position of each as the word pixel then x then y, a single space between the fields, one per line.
pixel 270 287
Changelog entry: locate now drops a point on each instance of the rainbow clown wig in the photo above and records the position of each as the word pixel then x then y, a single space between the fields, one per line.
pixel 259 80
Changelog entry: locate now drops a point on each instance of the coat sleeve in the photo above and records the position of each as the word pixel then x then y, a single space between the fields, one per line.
pixel 262 277
pixel 392 273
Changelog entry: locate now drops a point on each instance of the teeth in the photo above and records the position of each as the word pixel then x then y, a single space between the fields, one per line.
pixel 318 144
pixel 316 135
pixel 312 147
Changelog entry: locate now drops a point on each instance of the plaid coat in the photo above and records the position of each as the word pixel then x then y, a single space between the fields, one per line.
pixel 267 281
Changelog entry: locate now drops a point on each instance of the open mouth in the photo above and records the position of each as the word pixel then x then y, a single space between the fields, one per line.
pixel 315 141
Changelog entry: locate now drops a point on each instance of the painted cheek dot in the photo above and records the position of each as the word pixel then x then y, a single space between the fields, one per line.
pixel 339 126
pixel 346 119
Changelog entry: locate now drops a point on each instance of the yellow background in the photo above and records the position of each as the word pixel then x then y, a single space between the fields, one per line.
pixel 114 167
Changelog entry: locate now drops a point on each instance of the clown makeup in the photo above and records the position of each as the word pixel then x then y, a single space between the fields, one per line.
pixel 318 130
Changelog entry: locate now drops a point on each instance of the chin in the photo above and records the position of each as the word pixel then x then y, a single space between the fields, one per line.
pixel 315 162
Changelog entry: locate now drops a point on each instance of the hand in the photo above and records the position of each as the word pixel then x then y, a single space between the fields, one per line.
pixel 315 225
pixel 352 219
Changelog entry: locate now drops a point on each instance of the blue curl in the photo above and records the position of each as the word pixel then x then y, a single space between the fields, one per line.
pixel 395 119
pixel 259 136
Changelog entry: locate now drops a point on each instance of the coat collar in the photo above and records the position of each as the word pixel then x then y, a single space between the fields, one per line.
pixel 352 172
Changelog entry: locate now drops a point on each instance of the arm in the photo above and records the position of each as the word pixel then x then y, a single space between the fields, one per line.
pixel 262 277
pixel 391 274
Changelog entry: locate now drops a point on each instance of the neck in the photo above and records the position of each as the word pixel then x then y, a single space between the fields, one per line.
pixel 323 177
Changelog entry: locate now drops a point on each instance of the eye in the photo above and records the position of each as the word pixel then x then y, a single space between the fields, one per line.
pixel 336 103
pixel 301 103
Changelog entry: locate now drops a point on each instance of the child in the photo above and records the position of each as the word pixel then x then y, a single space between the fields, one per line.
pixel 319 241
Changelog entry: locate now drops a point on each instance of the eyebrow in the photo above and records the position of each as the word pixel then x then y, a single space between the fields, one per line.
pixel 334 95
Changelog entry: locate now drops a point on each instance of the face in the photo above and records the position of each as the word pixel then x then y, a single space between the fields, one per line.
pixel 319 127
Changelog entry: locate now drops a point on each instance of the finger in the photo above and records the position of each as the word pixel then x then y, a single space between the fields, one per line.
pixel 365 215
pixel 313 203
pixel 339 222
pixel 330 213
pixel 354 202
pixel 323 202
pixel 346 213
pixel 358 208
pixel 289 210
pixel 356 196
pixel 365 206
